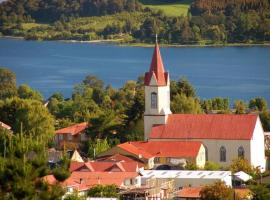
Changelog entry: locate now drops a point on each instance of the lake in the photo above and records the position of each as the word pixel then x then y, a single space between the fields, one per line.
pixel 234 72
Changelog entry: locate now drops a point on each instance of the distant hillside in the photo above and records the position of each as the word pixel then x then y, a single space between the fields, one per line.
pixel 226 6
pixel 51 10
pixel 132 21
pixel 170 7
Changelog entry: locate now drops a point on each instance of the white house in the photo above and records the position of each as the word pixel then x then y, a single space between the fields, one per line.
pixel 225 136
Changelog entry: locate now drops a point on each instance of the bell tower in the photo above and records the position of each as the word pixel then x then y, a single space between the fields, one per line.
pixel 157 94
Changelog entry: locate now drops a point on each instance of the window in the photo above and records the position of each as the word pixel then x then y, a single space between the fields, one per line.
pixel 241 152
pixel 153 100
pixel 222 152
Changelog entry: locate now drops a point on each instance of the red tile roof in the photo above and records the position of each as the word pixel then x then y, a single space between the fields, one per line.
pixel 85 180
pixel 156 69
pixel 203 126
pixel 190 192
pixel 3 125
pixel 74 129
pixel 151 149
pixel 94 166
pixel 115 158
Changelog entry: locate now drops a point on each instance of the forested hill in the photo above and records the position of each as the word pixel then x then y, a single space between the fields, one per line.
pixel 199 7
pixel 52 10
pixel 176 21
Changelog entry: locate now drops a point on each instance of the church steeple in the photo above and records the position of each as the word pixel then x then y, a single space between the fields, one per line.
pixel 156 70
pixel 157 93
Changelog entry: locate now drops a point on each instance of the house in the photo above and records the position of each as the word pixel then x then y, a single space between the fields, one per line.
pixel 225 137
pixel 165 153
pixel 93 166
pixel 82 181
pixel 71 137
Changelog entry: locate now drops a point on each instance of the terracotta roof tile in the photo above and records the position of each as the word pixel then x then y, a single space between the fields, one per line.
pixel 190 192
pixel 74 129
pixel 203 126
pixel 95 166
pixel 151 149
pixel 85 180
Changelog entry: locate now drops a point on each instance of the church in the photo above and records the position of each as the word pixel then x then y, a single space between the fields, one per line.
pixel 225 136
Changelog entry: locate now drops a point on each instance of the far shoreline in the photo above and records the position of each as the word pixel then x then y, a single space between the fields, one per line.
pixel 145 45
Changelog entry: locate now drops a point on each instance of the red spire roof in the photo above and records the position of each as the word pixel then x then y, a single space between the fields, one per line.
pixel 156 69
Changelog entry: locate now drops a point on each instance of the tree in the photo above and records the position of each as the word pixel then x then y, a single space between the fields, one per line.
pixel 184 87
pixel 240 107
pixel 104 125
pixel 29 115
pixel 182 104
pixel 241 164
pixel 212 166
pixel 25 92
pixel 265 119
pixel 103 191
pixel 94 147
pixel 258 103
pixel 217 191
pixel 260 192
pixel 7 83
pixel 20 173
pixel 93 82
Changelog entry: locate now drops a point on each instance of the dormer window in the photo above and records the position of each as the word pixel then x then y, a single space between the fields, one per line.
pixel 153 100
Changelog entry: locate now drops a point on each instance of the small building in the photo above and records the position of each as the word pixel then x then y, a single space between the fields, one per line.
pixel 71 137
pixel 186 178
pixel 93 166
pixel 156 154
pixel 82 181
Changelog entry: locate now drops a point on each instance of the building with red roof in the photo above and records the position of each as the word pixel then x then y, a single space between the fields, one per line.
pixel 94 166
pixel 71 137
pixel 156 153
pixel 82 181
pixel 225 136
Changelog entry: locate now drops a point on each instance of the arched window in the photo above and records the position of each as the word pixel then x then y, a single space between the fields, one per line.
pixel 153 100
pixel 241 152
pixel 206 153
pixel 222 152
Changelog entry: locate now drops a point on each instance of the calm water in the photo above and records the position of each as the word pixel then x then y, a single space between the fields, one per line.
pixel 234 72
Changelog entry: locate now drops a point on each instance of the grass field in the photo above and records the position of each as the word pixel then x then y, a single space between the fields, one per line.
pixel 170 8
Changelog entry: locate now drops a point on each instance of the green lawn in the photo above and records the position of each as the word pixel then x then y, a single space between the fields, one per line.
pixel 170 8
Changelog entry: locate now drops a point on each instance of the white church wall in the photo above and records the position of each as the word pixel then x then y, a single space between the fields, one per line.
pixel 257 147
pixel 200 159
pixel 213 147
pixel 157 115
